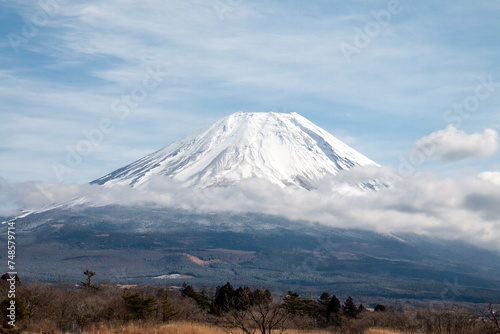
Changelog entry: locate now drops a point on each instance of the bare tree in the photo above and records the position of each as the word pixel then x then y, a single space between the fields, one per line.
pixel 268 317
pixel 253 311
pixel 262 317
pixel 491 317
pixel 236 319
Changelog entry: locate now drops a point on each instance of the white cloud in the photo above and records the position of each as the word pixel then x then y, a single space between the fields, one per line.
pixel 424 203
pixel 452 144
pixel 493 177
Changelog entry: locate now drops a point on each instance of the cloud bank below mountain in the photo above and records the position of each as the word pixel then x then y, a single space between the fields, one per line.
pixel 425 203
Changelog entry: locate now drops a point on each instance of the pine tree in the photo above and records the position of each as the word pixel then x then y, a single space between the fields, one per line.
pixel 7 276
pixel 168 312
pixel 334 311
pixel 88 284
pixel 261 297
pixel 243 298
pixel 350 309
pixel 187 290
pixel 325 298
pixel 139 305
pixel 293 302
pixel 224 299
pixel 20 308
pixel 199 297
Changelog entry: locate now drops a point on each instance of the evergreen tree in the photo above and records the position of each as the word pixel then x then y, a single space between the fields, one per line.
pixel 380 308
pixel 224 299
pixel 325 298
pixel 7 276
pixel 88 284
pixel 199 297
pixel 243 298
pixel 334 311
pixel 261 297
pixel 350 309
pixel 168 312
pixel 361 309
pixel 21 312
pixel 187 290
pixel 139 305
pixel 293 303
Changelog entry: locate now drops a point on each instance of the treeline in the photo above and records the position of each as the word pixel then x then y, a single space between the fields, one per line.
pixel 47 308
pixel 246 310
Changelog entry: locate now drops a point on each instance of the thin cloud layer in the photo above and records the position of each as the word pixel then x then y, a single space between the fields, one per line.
pixel 63 79
pixel 424 203
pixel 451 144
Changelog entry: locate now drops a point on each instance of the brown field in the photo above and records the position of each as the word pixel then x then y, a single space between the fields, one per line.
pixel 381 331
pixel 184 328
pixel 193 328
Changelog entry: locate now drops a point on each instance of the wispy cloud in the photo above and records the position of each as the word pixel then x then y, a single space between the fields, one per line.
pixel 260 56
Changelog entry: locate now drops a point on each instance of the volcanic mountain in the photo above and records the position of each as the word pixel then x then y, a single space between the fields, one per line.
pixel 285 149
pixel 160 244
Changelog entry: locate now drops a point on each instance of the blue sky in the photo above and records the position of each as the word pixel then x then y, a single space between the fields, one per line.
pixel 67 68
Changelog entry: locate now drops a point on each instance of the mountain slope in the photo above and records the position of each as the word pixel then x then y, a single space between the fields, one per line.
pixel 285 149
pixel 131 245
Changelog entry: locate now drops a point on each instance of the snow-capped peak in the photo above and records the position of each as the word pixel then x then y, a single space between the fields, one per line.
pixel 285 149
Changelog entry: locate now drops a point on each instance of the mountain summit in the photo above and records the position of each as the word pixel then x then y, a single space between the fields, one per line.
pixel 285 149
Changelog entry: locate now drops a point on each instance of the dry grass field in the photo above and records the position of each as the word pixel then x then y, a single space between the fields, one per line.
pixel 381 331
pixel 193 328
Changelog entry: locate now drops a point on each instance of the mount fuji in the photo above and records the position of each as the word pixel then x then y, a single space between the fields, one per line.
pixel 285 149
pixel 147 242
